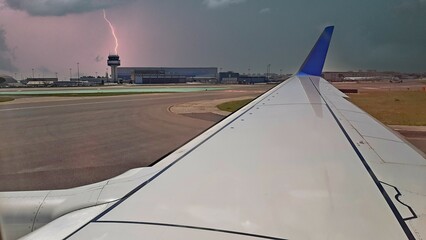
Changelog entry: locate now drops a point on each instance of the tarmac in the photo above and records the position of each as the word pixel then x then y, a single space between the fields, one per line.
pixel 55 142
pixel 368 86
pixel 415 135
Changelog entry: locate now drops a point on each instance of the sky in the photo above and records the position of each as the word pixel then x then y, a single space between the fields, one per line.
pixel 51 36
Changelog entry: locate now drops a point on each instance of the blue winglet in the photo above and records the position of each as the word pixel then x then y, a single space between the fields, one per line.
pixel 315 61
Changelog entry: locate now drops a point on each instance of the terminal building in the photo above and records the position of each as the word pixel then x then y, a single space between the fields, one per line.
pixel 245 79
pixel 371 75
pixel 229 77
pixel 236 78
pixel 159 75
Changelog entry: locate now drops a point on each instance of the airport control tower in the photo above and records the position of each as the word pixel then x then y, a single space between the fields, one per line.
pixel 113 62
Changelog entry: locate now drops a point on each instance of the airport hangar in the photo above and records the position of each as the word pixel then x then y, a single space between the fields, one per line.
pixel 159 75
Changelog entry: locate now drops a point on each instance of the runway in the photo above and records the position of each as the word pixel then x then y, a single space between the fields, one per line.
pixel 53 144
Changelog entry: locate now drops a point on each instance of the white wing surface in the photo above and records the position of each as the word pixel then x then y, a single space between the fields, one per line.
pixel 299 162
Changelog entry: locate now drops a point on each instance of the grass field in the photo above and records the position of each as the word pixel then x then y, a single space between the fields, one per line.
pixel 233 105
pixel 6 99
pixel 394 108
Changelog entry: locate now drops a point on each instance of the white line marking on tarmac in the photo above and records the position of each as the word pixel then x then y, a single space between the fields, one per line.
pixel 73 104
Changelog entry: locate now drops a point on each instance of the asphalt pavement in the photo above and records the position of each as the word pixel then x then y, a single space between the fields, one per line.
pixel 55 144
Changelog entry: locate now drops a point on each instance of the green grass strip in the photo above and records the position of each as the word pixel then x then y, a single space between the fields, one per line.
pixel 233 105
pixel 6 99
pixel 394 108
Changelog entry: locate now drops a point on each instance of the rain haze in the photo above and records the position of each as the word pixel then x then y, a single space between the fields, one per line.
pixel 52 36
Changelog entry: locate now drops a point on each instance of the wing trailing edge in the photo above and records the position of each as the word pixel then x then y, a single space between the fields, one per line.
pixel 315 61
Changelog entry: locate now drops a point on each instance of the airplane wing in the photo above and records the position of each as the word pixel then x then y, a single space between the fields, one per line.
pixel 298 162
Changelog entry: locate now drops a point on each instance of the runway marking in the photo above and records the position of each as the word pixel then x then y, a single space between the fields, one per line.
pixel 371 88
pixel 98 102
pixel 77 104
pixel 125 90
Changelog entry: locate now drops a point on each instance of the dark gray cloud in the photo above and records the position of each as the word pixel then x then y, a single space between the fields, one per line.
pixel 99 58
pixel 61 7
pixel 6 54
pixel 44 70
pixel 2 6
pixel 221 3
pixel 231 34
pixel 390 35
pixel 265 10
pixel 382 34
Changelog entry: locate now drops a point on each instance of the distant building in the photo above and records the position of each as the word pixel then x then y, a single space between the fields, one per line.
pixel 361 75
pixel 8 81
pixel 245 79
pixel 93 81
pixel 159 75
pixel 236 78
pixel 71 83
pixel 40 82
pixel 229 77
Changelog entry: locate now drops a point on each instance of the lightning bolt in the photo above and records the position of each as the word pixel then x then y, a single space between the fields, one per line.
pixel 112 31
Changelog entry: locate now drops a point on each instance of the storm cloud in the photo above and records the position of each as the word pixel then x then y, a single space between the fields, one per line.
pixel 5 54
pixel 44 70
pixel 386 35
pixel 221 3
pixel 265 10
pixel 99 58
pixel 61 7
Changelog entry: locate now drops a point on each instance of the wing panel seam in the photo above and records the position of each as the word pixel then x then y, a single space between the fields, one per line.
pixel 397 196
pixel 193 227
pixel 395 211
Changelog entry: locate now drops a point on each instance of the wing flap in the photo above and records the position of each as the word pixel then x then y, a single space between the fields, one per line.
pixel 399 167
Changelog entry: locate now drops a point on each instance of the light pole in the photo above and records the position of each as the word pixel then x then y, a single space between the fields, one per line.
pixel 268 69
pixel 33 72
pixel 78 73
pixel 70 74
pixel 56 75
